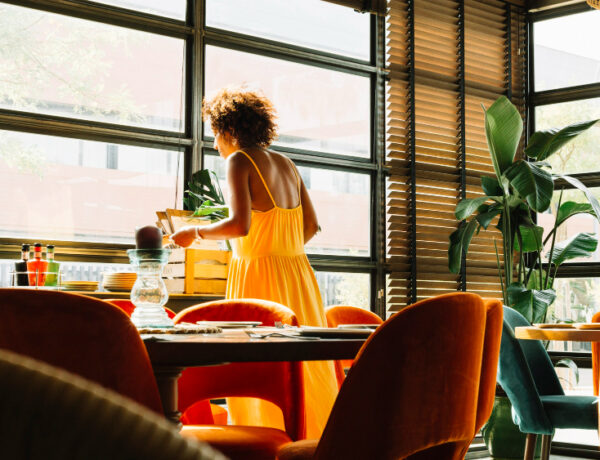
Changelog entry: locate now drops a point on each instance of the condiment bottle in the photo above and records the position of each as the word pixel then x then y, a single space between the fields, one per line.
pixel 37 267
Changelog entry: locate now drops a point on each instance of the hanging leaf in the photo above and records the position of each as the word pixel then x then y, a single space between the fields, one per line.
pixel 532 183
pixel 485 218
pixel 490 186
pixel 468 206
pixel 503 129
pixel 577 184
pixel 459 242
pixel 542 144
pixel 532 238
pixel 570 208
pixel 531 303
pixel 580 245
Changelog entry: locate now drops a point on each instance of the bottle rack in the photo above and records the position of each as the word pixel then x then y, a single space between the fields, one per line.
pixel 37 276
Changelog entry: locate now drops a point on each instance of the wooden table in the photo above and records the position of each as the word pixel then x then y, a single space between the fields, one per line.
pixel 570 334
pixel 171 354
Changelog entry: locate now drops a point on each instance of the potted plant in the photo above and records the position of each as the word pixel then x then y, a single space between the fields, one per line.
pixel 520 189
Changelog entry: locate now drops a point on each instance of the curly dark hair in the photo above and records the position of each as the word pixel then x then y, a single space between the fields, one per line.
pixel 246 115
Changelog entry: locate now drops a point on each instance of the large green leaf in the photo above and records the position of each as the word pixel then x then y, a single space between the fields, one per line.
pixel 485 218
pixel 579 185
pixel 468 206
pixel 532 183
pixel 204 185
pixel 503 129
pixel 459 242
pixel 490 186
pixel 542 144
pixel 580 245
pixel 570 208
pixel 531 303
pixel 532 238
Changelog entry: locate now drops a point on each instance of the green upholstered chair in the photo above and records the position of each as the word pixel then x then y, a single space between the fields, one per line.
pixel 47 413
pixel 530 381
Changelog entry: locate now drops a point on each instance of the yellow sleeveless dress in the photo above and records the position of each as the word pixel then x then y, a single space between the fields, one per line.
pixel 269 263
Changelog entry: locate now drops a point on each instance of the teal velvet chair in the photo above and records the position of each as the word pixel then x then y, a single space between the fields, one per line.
pixel 530 381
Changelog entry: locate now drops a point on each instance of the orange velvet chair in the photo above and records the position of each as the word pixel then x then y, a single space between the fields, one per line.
pixel 204 413
pixel 415 383
pixel 278 382
pixel 127 306
pixel 83 335
pixel 345 314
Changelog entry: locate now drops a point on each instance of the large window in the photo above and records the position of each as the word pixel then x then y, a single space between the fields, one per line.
pixel 565 89
pixel 100 121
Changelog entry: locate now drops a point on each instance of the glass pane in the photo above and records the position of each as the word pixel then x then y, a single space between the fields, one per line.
pixel 54 64
pixel 76 190
pixel 342 202
pixel 566 51
pixel 340 288
pixel 172 8
pixel 317 109
pixel 578 223
pixel 583 153
pixel 309 23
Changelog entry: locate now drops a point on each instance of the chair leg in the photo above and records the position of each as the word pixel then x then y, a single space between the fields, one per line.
pixel 546 441
pixel 530 443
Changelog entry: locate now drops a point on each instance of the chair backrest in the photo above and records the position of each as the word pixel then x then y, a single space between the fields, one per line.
pixel 413 389
pixel 525 372
pixel 596 358
pixel 127 306
pixel 86 336
pixel 346 314
pixel 47 414
pixel 278 382
pixel 489 365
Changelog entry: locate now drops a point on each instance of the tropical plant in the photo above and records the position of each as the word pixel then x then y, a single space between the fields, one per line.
pixel 519 190
pixel 204 196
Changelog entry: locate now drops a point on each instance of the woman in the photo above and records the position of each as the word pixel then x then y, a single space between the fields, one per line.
pixel 271 217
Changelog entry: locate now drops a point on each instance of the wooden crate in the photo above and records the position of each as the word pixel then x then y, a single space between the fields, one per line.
pixel 197 271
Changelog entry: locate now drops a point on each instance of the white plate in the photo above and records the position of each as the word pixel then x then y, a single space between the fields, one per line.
pixel 230 324
pixel 334 332
pixel 358 326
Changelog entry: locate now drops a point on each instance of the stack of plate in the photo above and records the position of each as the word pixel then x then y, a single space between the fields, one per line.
pixel 79 285
pixel 119 281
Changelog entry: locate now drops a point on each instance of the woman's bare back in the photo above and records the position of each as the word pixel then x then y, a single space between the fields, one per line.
pixel 278 172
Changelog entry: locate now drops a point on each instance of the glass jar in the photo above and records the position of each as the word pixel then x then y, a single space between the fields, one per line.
pixel 149 293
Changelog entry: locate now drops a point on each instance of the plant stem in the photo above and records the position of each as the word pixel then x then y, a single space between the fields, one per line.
pixel 552 246
pixel 500 274
pixel 508 244
pixel 521 259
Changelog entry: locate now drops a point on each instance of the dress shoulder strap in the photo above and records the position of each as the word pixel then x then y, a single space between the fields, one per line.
pixel 261 176
pixel 298 181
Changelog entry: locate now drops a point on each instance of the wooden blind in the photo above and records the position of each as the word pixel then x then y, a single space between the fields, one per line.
pixel 445 59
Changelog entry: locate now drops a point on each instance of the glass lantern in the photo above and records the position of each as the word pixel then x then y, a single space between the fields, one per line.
pixel 149 293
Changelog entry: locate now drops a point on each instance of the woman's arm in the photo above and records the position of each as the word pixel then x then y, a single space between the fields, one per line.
pixel 240 208
pixel 311 224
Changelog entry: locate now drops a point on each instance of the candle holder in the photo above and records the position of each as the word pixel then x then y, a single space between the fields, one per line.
pixel 149 293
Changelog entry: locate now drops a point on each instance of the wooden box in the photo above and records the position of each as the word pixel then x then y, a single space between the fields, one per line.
pixel 197 271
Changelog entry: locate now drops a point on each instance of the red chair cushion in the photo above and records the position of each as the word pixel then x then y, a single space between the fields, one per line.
pixel 240 442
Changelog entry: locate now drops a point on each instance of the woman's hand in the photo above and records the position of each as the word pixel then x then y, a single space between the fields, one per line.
pixel 185 236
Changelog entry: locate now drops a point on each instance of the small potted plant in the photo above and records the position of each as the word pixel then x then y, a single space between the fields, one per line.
pixel 520 189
